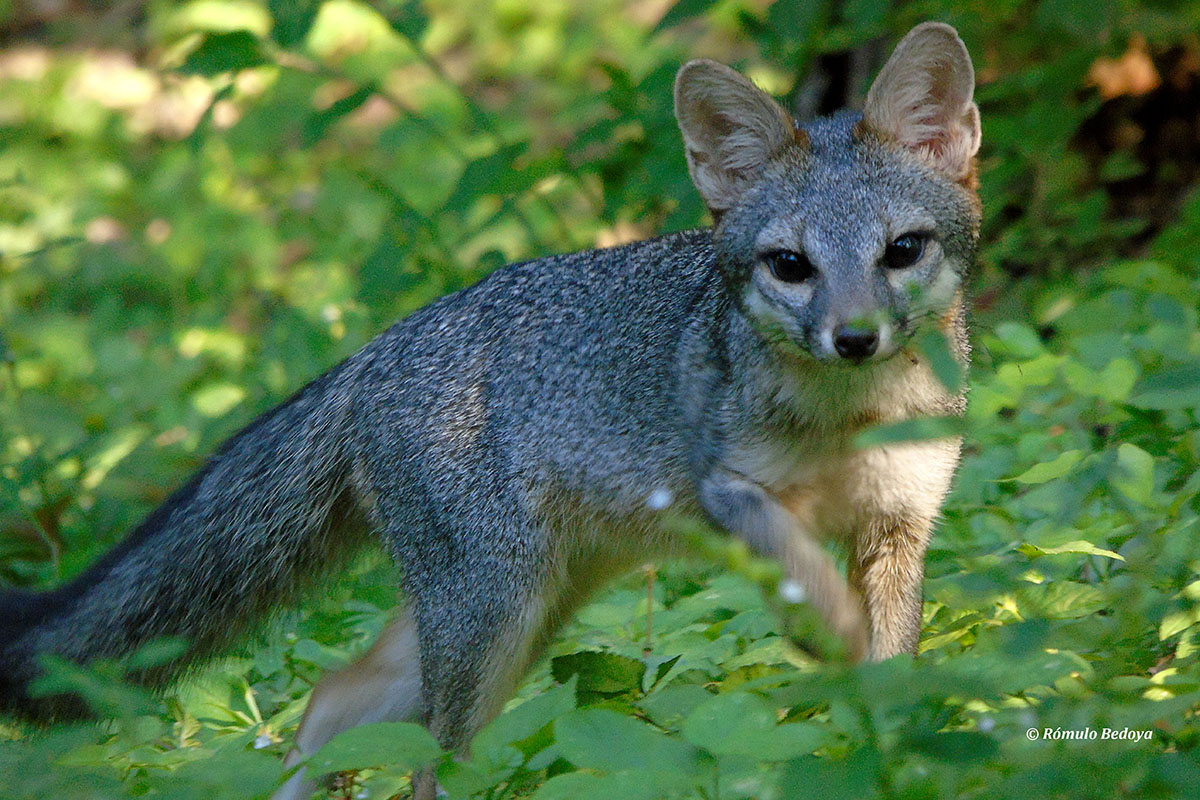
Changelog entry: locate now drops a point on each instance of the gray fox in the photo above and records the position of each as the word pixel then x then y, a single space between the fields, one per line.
pixel 503 441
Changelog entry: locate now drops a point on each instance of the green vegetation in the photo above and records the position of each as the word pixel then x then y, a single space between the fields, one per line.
pixel 206 204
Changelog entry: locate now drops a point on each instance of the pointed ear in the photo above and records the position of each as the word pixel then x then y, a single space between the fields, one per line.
pixel 923 99
pixel 731 128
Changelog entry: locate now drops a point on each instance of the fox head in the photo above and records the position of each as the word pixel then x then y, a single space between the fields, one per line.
pixel 839 238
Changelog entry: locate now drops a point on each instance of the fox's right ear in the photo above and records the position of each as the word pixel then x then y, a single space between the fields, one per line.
pixel 730 130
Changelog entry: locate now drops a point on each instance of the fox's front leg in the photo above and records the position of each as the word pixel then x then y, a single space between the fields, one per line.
pixel 748 511
pixel 898 493
pixel 887 568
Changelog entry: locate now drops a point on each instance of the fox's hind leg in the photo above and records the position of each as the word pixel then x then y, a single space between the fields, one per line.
pixel 478 641
pixel 384 685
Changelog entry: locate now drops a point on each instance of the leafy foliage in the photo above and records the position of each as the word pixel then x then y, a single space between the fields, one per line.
pixel 189 235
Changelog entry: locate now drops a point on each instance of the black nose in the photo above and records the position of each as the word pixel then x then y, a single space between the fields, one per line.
pixel 855 342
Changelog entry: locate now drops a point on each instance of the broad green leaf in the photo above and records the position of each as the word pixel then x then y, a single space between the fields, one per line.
pixel 585 786
pixel 400 745
pixel 1050 470
pixel 407 18
pixel 493 174
pixel 293 20
pixel 526 719
pixel 605 740
pixel 743 724
pixel 936 349
pixel 1177 622
pixel 606 673
pixel 318 124
pixel 1170 389
pixel 118 446
pixel 323 656
pixel 1078 546
pixel 229 774
pixel 1133 473
pixel 669 706
pixel 1059 600
pixel 217 399
pixel 958 746
pixel 684 10
pixel 1018 339
pixel 1113 383
pixel 225 52
pixel 854 777
pixel 910 430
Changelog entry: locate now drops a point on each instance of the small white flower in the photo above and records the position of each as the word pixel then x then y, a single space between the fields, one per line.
pixel 659 499
pixel 792 591
pixel 986 724
pixel 262 740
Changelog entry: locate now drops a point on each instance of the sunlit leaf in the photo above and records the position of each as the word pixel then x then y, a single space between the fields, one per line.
pixel 1050 470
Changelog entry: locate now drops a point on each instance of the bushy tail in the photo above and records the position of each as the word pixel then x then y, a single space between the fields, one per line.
pixel 242 536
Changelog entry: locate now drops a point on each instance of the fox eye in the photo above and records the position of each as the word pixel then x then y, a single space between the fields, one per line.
pixel 905 251
pixel 789 266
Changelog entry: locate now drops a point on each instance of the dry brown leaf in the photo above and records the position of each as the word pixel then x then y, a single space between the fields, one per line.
pixel 1131 74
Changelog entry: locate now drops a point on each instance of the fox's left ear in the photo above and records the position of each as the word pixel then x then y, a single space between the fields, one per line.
pixel 923 99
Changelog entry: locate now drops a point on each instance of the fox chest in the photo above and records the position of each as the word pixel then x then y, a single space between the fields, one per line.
pixel 834 489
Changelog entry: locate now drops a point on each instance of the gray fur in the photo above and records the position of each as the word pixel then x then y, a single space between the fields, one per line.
pixel 503 441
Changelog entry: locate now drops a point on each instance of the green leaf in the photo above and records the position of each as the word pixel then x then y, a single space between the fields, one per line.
pixel 866 15
pixel 910 430
pixel 400 745
pixel 321 655
pixel 960 746
pixel 293 20
pixel 1078 546
pixel 1133 474
pixel 852 778
pixel 683 11
pixel 1050 470
pixel 525 720
pixel 672 704
pixel 493 174
pixel 1085 21
pixel 157 652
pixel 743 724
pixel 1113 383
pixel 604 673
pixel 1060 600
pixel 585 786
pixel 605 740
pixel 229 774
pixel 98 684
pixel 1170 389
pixel 1018 339
pixel 936 349
pixel 1178 621
pixel 318 124
pixel 407 18
pixel 224 52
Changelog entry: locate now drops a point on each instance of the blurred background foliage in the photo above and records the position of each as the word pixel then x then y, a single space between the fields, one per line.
pixel 205 204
